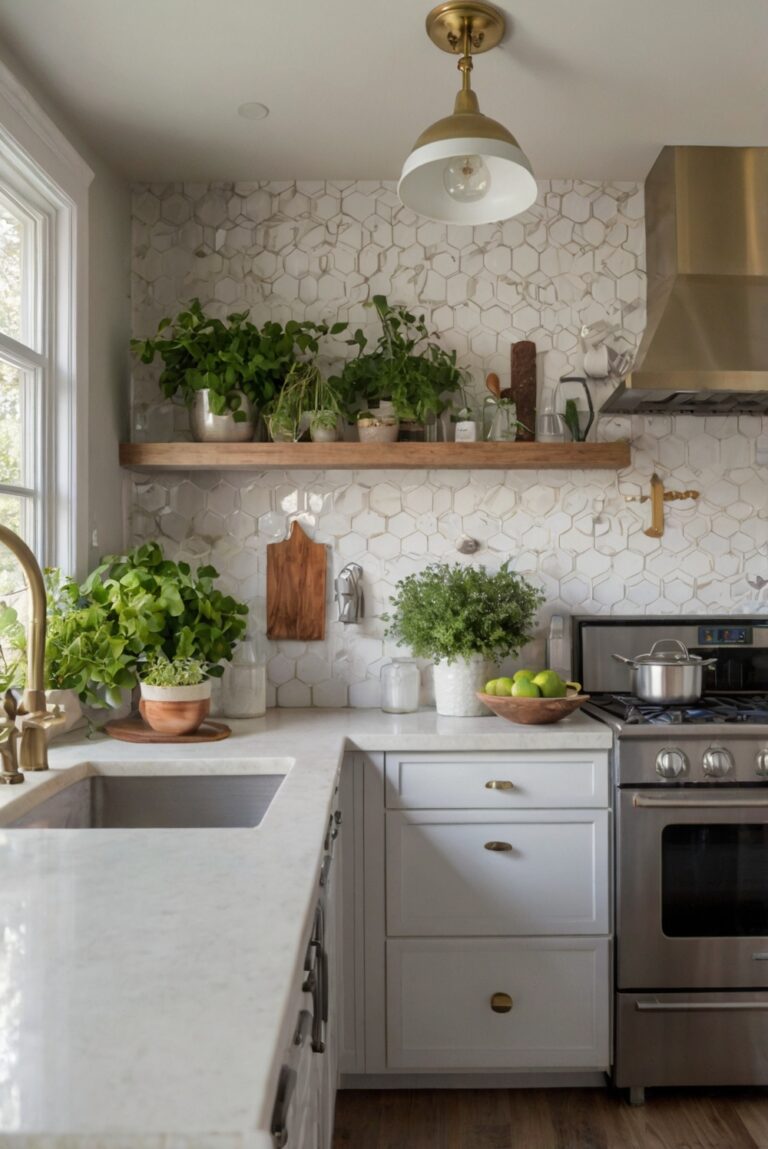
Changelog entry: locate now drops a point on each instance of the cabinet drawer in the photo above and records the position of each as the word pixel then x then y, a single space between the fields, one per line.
pixel 439 1013
pixel 460 781
pixel 443 880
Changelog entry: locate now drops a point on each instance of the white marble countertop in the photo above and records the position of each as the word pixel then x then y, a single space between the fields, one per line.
pixel 147 977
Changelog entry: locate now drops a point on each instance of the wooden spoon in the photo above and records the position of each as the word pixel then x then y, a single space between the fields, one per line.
pixel 493 383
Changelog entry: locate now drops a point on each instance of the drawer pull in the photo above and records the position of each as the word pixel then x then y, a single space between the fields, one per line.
pixel 501 1003
pixel 496 784
pixel 499 846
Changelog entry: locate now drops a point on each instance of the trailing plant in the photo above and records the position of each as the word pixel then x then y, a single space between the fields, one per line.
pixel 447 612
pixel 84 648
pixel 405 365
pixel 162 607
pixel 162 671
pixel 305 392
pixel 228 356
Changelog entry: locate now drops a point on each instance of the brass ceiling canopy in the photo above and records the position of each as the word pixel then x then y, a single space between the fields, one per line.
pixel 446 24
pixel 467 168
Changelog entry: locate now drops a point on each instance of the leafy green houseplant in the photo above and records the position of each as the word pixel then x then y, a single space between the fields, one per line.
pixel 237 364
pixel 405 365
pixel 306 399
pixel 464 618
pixel 164 608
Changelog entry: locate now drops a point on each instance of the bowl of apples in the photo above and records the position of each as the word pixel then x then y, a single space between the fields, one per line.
pixel 532 697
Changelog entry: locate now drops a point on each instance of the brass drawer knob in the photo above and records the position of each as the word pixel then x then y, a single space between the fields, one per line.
pixel 501 1003
pixel 498 846
pixel 496 784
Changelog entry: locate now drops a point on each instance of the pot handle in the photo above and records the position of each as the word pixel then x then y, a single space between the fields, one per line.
pixel 682 648
pixel 621 658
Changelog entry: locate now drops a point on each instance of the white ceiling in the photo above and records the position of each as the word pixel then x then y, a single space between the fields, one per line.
pixel 591 88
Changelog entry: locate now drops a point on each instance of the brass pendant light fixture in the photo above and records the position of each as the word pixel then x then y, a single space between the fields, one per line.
pixel 466 168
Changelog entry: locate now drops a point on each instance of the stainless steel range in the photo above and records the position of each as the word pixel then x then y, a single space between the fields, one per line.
pixel 691 853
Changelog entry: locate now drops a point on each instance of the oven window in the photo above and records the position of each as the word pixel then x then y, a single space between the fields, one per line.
pixel 713 881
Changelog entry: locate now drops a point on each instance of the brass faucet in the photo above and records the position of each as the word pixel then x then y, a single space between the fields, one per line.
pixel 33 717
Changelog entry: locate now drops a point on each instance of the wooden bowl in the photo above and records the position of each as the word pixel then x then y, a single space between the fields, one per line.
pixel 533 711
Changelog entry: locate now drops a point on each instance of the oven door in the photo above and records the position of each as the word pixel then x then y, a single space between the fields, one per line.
pixel 692 888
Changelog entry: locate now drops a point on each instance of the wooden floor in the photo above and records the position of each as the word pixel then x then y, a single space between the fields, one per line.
pixel 551 1119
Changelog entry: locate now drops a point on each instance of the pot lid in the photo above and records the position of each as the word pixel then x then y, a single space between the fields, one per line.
pixel 680 656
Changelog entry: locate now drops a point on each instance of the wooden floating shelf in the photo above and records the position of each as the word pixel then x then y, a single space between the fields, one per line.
pixel 379 456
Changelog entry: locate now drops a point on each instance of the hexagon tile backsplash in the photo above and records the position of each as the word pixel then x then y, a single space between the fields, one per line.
pixel 319 250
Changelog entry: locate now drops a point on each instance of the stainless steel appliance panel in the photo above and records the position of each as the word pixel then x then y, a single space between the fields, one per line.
pixel 691 1039
pixel 692 896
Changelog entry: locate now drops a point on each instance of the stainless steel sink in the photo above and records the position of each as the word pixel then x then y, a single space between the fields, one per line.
pixel 155 801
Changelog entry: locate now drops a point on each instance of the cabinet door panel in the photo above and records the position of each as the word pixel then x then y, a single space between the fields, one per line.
pixel 529 780
pixel 439 1013
pixel 547 876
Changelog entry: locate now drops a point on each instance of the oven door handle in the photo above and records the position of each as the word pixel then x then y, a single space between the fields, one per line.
pixel 697 1006
pixel 640 800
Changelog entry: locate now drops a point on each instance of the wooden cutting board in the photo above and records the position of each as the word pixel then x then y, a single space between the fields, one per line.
pixel 296 573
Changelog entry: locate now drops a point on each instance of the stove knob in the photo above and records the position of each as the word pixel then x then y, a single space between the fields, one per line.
pixel 762 763
pixel 671 763
pixel 717 762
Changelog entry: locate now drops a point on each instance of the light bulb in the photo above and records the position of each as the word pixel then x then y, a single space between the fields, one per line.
pixel 467 179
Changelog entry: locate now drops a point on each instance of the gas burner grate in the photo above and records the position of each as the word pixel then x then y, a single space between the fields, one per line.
pixel 746 709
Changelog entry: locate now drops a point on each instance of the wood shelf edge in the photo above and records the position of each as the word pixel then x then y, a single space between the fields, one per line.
pixel 367 456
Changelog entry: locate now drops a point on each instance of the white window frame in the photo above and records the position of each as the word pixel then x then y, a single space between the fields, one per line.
pixel 40 167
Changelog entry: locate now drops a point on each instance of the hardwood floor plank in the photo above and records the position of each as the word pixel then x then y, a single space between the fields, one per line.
pixel 550 1119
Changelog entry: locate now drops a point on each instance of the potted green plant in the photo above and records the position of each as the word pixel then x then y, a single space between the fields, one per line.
pixel 226 370
pixel 464 618
pixel 164 608
pixel 175 694
pixel 86 660
pixel 405 367
pixel 306 401
pixel 377 427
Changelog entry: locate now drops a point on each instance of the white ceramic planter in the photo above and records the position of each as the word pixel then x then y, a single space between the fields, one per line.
pixel 210 428
pixel 456 686
pixel 321 432
pixel 376 431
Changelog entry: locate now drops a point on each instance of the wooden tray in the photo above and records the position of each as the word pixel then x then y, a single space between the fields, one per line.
pixel 136 730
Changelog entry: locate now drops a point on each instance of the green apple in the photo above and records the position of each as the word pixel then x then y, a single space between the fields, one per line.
pixel 523 674
pixel 490 686
pixel 525 688
pixel 504 687
pixel 550 684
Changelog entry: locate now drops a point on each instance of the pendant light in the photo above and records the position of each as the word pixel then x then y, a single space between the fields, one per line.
pixel 466 168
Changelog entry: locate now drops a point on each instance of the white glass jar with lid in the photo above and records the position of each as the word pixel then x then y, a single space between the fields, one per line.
pixel 400 686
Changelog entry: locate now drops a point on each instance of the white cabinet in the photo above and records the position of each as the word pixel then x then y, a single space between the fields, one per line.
pixel 445 1010
pixel 486 874
pixel 533 872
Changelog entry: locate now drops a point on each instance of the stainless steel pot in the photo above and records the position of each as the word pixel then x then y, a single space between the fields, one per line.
pixel 667 676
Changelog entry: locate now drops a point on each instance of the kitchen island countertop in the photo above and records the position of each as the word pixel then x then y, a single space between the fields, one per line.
pixel 147 977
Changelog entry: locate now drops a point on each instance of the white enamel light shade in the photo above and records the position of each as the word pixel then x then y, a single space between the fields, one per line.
pixel 512 186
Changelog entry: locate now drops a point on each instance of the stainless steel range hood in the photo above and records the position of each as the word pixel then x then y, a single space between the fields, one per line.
pixel 705 347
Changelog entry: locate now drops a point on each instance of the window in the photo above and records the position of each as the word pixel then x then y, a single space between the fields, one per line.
pixel 43 336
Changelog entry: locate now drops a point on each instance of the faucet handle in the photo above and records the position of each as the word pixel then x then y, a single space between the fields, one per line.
pixel 10 774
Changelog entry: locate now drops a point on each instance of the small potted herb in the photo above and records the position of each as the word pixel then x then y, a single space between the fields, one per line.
pixel 465 619
pixel 306 400
pixel 226 371
pixel 375 427
pixel 405 367
pixel 175 694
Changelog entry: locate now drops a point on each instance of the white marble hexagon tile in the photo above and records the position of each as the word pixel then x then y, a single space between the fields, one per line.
pixel 320 250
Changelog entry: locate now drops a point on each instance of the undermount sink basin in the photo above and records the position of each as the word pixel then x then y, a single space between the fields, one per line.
pixel 155 801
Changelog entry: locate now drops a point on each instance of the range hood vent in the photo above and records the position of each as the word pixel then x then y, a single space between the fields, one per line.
pixel 705 347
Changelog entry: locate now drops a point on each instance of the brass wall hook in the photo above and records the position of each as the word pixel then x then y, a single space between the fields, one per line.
pixel 658 497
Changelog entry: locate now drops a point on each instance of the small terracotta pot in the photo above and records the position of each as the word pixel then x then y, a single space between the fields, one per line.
pixel 175 709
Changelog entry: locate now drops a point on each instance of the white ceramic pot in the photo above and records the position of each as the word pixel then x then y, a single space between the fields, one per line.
pixel 68 702
pixel 322 432
pixel 457 683
pixel 210 428
pixel 377 431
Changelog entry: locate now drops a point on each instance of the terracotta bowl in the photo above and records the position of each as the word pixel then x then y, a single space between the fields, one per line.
pixel 175 717
pixel 533 711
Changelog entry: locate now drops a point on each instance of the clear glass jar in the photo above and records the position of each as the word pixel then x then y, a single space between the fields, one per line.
pixel 400 686
pixel 244 683
pixel 503 427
